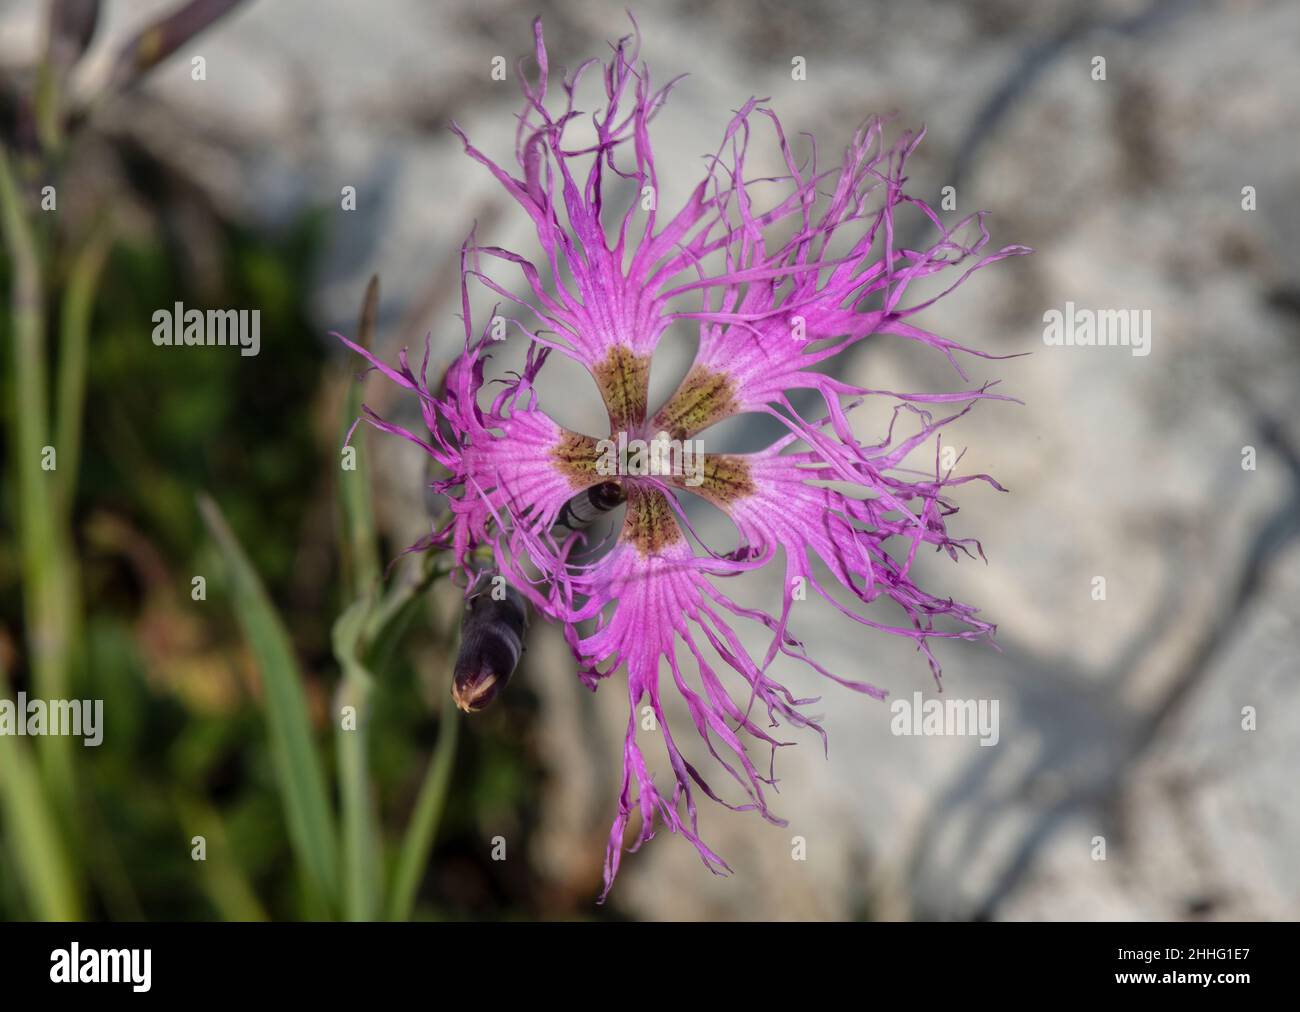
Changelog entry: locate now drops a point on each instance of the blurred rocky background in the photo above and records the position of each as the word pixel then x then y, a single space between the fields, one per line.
pixel 1120 718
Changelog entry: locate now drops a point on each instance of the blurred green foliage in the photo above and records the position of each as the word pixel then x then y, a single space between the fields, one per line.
pixel 186 750
pixel 221 710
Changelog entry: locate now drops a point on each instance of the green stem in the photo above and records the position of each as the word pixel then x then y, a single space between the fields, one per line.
pixel 360 847
pixel 78 301
pixel 33 834
pixel 47 98
pixel 423 827
pixel 360 543
pixel 308 811
pixel 361 843
pixel 45 555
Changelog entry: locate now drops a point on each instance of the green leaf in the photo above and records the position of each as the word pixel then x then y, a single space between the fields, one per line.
pixel 38 849
pixel 48 586
pixel 361 842
pixel 422 830
pixel 78 301
pixel 302 782
pixel 359 546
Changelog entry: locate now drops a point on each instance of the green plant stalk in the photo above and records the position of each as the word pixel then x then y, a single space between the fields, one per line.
pixel 308 811
pixel 422 830
pixel 360 543
pixel 388 621
pixel 45 555
pixel 70 395
pixel 361 841
pixel 46 871
pixel 371 631
pixel 359 554
pixel 49 119
pixel 361 846
pixel 366 637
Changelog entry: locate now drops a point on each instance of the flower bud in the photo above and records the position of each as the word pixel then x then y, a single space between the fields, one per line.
pixel 491 642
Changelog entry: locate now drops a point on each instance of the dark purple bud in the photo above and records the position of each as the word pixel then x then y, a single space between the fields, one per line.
pixel 159 40
pixel 491 643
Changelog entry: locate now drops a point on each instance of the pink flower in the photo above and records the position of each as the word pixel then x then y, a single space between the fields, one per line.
pixel 769 310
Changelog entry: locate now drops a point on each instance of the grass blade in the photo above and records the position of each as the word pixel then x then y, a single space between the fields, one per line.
pixel 47 875
pixel 47 585
pixel 360 544
pixel 422 830
pixel 302 782
pixel 361 842
pixel 70 394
